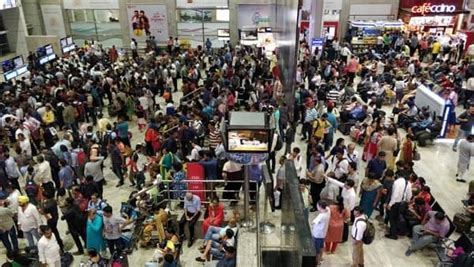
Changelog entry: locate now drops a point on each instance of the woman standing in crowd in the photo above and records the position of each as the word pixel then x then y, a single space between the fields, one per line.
pixel 339 215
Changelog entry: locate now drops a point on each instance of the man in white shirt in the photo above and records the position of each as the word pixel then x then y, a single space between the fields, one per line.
pixel 44 170
pixel 28 220
pixel 348 193
pixel 357 233
pixel 48 249
pixel 195 151
pixel 401 191
pixel 319 228
pixel 340 164
pixel 352 154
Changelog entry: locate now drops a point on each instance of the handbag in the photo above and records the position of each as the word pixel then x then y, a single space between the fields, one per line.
pixel 416 154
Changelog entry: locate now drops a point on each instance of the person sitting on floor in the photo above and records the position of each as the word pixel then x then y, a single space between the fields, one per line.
pixel 434 227
pixel 217 249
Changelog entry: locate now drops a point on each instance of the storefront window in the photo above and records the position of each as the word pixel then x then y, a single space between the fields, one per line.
pixel 100 25
pixel 195 26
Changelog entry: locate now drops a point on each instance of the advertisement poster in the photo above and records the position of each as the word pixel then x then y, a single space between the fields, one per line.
pixel 195 171
pixel 53 20
pixel 148 20
pixel 252 15
pixel 91 4
pixel 201 3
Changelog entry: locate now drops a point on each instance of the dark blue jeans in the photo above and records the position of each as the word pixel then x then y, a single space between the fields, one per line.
pixel 9 239
pixel 115 245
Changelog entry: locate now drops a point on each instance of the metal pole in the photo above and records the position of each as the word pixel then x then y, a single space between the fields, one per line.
pixel 247 221
pixel 202 23
pixel 257 219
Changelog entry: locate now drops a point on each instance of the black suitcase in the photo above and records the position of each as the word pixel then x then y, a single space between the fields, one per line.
pixel 462 222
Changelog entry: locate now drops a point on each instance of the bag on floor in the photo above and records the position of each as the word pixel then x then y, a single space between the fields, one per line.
pixel 462 222
pixel 66 259
pixel 119 260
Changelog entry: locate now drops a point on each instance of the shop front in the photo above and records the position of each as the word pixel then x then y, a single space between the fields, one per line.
pixel 434 16
pixel 362 34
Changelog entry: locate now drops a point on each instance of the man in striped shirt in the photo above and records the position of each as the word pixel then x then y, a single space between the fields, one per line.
pixel 214 137
pixel 310 115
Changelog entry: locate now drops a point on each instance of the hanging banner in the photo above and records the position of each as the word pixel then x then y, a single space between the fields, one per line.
pixel 195 171
pixel 148 20
pixel 91 4
pixel 53 20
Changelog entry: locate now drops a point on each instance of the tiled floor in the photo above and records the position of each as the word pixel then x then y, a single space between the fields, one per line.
pixel 437 166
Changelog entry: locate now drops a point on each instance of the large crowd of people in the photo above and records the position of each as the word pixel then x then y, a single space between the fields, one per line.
pixel 62 123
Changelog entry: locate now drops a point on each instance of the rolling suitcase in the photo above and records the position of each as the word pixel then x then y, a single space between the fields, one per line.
pixel 462 222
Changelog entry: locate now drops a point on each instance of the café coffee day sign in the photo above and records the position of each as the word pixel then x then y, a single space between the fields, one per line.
pixel 427 8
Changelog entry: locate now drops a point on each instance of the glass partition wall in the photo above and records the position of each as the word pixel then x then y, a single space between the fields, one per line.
pixel 100 25
pixel 201 22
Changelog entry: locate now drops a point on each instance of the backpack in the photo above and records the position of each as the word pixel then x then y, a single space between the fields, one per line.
pixel 66 259
pixel 369 233
pixel 81 158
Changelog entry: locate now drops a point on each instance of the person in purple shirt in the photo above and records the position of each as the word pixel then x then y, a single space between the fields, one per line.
pixel 434 226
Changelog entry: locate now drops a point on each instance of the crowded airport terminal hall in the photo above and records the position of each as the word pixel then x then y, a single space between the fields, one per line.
pixel 236 133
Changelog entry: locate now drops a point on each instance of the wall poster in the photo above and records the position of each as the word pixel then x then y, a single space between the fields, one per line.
pixel 148 20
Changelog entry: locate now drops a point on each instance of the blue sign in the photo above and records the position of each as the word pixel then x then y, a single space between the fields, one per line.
pixel 317 42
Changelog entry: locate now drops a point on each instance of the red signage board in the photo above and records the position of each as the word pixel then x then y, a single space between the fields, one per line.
pixel 432 6
pixel 195 171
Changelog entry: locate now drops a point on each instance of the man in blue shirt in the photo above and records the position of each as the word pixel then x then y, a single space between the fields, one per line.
pixel 210 171
pixel 122 131
pixel 329 136
pixel 192 211
pixel 377 166
pixel 229 258
pixel 66 174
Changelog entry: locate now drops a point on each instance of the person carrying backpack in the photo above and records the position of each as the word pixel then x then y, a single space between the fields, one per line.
pixel 363 232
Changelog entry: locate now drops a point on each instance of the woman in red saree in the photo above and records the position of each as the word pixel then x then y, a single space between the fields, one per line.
pixel 215 215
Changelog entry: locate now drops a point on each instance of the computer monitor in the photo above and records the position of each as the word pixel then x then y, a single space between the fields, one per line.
pixel 18 62
pixel 22 70
pixel 8 65
pixel 10 75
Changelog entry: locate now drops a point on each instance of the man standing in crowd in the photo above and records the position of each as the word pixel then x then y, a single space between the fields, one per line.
pixel 466 120
pixel 319 229
pixel 48 249
pixel 357 233
pixel 113 226
pixel 466 152
pixel 28 220
pixel 401 191
pixel 7 226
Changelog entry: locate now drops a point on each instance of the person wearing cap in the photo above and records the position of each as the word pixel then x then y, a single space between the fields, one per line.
pixel 28 220
pixel 7 225
pixel 466 152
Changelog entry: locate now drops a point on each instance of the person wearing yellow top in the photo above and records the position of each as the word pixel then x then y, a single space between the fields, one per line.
pixel 321 126
pixel 48 116
pixel 435 48
pixel 102 123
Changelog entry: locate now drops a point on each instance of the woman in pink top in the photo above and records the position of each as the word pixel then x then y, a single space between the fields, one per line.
pixel 352 67
pixel 339 214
